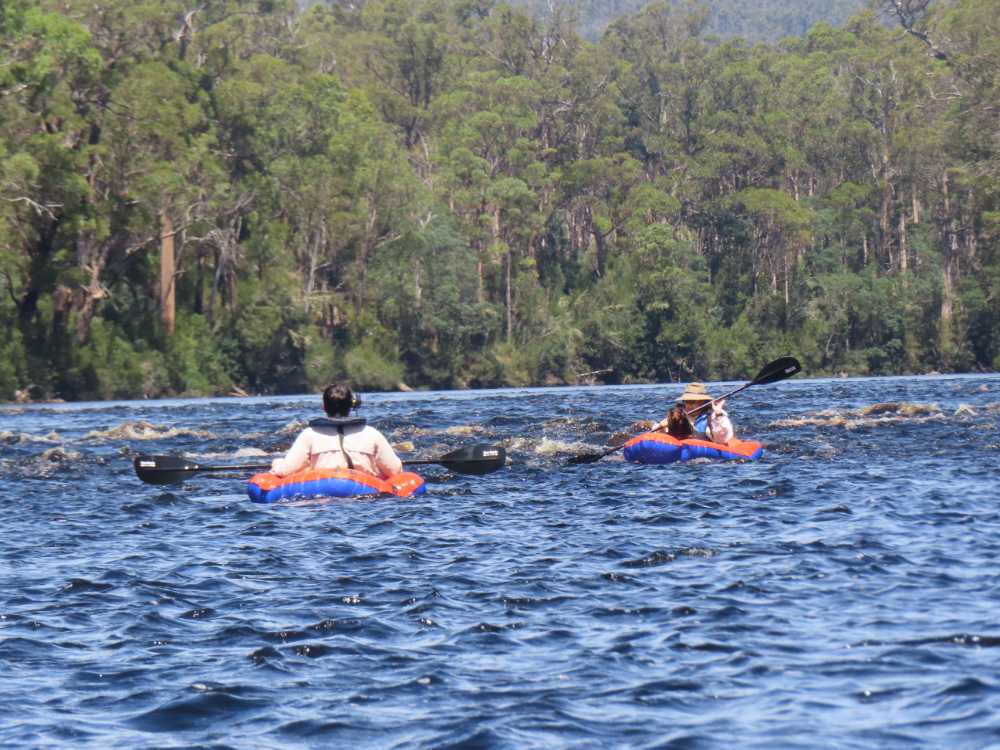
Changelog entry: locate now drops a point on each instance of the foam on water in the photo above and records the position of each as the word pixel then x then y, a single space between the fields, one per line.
pixel 885 414
pixel 20 438
pixel 142 430
pixel 839 593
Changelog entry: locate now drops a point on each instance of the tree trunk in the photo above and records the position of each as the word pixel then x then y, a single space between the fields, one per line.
pixel 602 250
pixel 510 296
pixel 167 271
pixel 600 242
pixel 199 291
pixel 788 299
pixel 92 294
pixel 27 302
pixel 949 256
pixel 481 281
pixel 418 291
pixel 902 242
pixel 885 218
pixel 367 246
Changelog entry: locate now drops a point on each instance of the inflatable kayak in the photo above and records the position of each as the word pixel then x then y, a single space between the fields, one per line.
pixel 660 448
pixel 270 488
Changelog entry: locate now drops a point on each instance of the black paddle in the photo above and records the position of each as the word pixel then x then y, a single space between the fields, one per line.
pixel 779 369
pixel 175 469
pixel 475 459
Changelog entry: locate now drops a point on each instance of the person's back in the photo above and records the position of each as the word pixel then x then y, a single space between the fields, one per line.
pixel 340 441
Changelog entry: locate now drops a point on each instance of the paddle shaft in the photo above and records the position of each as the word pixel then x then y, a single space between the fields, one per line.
pixel 724 396
pixel 780 369
pixel 476 460
pixel 772 372
pixel 198 468
pixel 590 458
pixel 236 467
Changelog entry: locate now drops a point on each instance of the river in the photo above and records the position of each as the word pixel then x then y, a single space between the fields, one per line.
pixel 842 592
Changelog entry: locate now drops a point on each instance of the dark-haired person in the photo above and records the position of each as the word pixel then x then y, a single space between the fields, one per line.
pixel 339 441
pixel 677 422
pixel 692 416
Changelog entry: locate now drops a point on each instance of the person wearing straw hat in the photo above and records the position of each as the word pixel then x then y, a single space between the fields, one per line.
pixel 691 417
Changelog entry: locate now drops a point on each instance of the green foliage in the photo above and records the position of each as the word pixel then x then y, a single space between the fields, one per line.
pixel 194 363
pixel 264 344
pixel 369 366
pixel 446 193
pixel 427 284
pixel 13 361
pixel 758 20
pixel 108 366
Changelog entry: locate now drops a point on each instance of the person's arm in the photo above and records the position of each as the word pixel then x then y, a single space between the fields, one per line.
pixel 663 423
pixel 386 460
pixel 296 458
pixel 720 428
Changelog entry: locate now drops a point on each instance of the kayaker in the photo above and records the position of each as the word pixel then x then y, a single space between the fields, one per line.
pixel 677 423
pixel 340 441
pixel 680 423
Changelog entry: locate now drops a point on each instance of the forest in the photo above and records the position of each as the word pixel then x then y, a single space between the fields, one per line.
pixel 243 196
pixel 752 20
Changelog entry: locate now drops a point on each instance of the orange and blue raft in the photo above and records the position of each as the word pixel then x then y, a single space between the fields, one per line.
pixel 660 448
pixel 270 488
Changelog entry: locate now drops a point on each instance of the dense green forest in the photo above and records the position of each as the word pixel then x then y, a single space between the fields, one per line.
pixel 753 20
pixel 213 196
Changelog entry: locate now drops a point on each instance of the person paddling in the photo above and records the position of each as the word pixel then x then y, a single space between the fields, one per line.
pixel 692 417
pixel 340 441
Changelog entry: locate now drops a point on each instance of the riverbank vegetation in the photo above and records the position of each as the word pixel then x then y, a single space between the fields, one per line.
pixel 236 195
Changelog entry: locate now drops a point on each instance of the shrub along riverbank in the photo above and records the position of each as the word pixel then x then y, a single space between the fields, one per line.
pixel 240 196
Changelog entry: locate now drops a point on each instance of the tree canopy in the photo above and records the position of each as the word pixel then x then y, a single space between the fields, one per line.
pixel 214 196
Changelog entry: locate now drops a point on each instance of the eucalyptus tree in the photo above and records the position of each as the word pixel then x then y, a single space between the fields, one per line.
pixel 960 39
pixel 662 90
pixel 47 78
pixel 491 162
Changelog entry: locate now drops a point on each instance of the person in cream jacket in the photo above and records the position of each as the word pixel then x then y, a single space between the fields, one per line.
pixel 339 441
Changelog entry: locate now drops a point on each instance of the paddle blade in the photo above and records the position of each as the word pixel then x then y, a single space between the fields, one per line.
pixel 164 469
pixel 175 469
pixel 589 458
pixel 779 369
pixel 586 458
pixel 475 459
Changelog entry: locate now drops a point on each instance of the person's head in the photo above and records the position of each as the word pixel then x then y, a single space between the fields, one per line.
pixel 339 399
pixel 678 424
pixel 694 396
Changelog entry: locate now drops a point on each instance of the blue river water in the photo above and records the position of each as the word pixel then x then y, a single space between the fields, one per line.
pixel 842 592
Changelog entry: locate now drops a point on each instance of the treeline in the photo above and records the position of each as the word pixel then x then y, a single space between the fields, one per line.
pixel 204 196
pixel 753 20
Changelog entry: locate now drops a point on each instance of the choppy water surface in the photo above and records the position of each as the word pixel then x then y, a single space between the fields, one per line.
pixel 844 592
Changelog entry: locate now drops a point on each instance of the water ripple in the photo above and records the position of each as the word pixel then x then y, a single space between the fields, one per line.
pixel 840 593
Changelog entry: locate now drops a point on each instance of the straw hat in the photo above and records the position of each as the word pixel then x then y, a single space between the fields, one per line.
pixel 695 392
